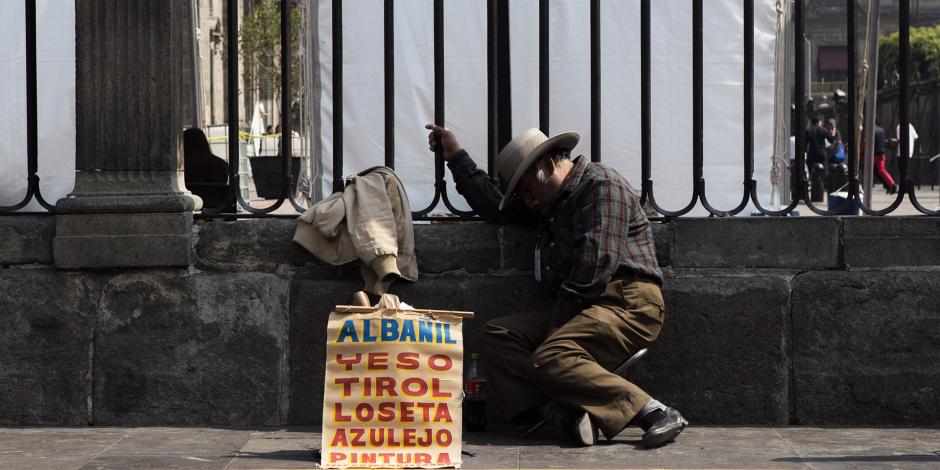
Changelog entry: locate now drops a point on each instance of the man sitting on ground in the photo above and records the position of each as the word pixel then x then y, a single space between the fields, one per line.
pixel 595 256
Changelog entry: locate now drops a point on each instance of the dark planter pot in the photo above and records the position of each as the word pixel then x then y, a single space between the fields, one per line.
pixel 835 203
pixel 268 174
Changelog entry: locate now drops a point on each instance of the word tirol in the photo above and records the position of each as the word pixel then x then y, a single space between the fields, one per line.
pixel 395 331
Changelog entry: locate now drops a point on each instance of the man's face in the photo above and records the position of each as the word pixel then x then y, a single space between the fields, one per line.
pixel 539 196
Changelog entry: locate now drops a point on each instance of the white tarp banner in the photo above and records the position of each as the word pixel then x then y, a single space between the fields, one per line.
pixel 465 89
pixel 55 69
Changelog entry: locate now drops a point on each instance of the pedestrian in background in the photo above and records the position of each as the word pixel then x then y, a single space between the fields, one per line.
pixel 879 152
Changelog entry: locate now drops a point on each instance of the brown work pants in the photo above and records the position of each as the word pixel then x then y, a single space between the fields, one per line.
pixel 573 366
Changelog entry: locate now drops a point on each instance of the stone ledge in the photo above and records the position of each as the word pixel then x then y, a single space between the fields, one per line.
pixel 891 241
pixel 475 247
pixel 863 252
pixel 891 227
pixel 124 251
pixel 253 244
pixel 122 224
pixel 798 243
pixel 471 247
pixel 664 238
pixel 517 248
pixel 26 239
pixel 468 246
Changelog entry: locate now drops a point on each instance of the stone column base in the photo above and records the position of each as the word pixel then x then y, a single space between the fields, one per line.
pixel 123 219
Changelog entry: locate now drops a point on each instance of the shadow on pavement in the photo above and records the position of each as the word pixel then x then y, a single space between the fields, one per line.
pixel 864 458
pixel 307 455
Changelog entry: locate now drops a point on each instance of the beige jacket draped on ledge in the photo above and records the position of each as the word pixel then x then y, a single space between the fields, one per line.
pixel 369 221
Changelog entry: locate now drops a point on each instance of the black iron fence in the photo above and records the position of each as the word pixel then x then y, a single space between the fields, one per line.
pixel 32 134
pixel 498 108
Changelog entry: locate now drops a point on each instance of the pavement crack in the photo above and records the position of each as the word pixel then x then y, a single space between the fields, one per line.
pixel 793 448
pixel 92 347
pixel 129 433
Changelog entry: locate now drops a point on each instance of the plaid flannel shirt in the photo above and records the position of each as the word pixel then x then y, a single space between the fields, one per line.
pixel 596 231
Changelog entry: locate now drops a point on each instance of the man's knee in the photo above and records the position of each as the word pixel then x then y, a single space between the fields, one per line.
pixel 544 362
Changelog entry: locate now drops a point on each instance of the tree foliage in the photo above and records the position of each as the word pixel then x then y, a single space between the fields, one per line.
pixel 259 44
pixel 924 55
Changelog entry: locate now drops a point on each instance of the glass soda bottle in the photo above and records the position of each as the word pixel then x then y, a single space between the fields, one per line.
pixel 474 404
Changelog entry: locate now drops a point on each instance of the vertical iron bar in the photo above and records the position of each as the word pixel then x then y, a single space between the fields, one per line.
pixel 503 79
pixel 32 151
pixel 595 81
pixel 492 77
pixel 851 151
pixel 286 134
pixel 32 121
pixel 799 95
pixel 439 89
pixel 390 83
pixel 904 40
pixel 337 95
pixel 439 62
pixel 645 120
pixel 697 92
pixel 749 117
pixel 698 121
pixel 498 76
pixel 645 92
pixel 748 91
pixel 502 118
pixel 196 73
pixel 543 66
pixel 232 89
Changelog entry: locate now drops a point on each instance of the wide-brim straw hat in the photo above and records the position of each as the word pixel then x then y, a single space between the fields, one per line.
pixel 523 151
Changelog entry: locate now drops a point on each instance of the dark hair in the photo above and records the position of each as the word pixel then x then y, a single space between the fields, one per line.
pixel 560 154
pixel 815 120
pixel 556 154
pixel 200 164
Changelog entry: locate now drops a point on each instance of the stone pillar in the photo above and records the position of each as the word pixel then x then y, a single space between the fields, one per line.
pixel 127 208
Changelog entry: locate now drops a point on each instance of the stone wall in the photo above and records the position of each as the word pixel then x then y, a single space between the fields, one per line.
pixel 769 321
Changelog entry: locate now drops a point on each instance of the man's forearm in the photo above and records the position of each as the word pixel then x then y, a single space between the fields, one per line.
pixel 477 188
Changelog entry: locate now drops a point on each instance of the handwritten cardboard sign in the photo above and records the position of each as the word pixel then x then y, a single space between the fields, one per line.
pixel 393 388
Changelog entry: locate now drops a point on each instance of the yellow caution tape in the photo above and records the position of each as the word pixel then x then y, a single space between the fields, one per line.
pixel 246 136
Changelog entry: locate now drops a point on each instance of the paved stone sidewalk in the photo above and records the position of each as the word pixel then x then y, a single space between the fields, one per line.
pixel 93 448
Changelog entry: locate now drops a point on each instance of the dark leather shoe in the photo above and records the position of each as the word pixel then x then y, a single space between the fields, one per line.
pixel 666 429
pixel 575 423
pixel 579 427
